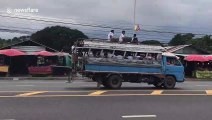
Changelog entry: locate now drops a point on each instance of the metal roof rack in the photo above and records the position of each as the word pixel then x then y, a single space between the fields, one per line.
pixel 104 44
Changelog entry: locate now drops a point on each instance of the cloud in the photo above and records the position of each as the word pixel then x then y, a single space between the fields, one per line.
pixel 174 15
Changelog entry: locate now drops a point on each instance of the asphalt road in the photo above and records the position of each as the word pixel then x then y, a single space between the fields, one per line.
pixel 56 100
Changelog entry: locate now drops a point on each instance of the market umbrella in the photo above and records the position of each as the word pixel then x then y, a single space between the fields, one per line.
pixel 11 52
pixel 199 58
pixel 44 53
pixel 209 57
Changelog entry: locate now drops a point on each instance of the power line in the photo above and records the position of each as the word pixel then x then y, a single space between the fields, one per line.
pixel 15 31
pixel 2 26
pixel 41 20
pixel 95 26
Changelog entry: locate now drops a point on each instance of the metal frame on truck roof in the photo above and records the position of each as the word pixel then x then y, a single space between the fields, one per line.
pixel 99 44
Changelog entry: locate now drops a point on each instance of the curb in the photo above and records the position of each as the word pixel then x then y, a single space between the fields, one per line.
pixel 42 78
pixel 198 79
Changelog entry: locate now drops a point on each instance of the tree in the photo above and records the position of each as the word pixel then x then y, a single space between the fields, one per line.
pixel 4 42
pixel 58 37
pixel 204 43
pixel 15 40
pixel 151 42
pixel 180 39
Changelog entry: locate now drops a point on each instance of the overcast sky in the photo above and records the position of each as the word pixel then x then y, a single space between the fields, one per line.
pixel 163 15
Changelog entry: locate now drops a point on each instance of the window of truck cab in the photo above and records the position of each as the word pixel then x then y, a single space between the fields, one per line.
pixel 172 61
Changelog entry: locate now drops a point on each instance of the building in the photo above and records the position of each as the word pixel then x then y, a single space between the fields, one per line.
pixel 185 50
pixel 15 63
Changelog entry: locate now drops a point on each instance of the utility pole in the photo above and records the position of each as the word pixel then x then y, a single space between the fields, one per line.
pixel 134 22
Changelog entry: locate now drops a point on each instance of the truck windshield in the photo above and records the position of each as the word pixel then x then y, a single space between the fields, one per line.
pixel 173 61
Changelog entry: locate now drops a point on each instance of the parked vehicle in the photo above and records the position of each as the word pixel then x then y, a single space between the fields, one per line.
pixel 111 64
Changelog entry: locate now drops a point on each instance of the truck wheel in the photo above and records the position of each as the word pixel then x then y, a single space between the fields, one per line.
pixel 104 83
pixel 169 82
pixel 114 82
pixel 158 86
pixel 94 78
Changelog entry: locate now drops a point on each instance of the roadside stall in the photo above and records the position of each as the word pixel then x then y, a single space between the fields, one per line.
pixel 49 63
pixel 6 57
pixel 201 65
pixel 64 64
pixel 43 66
pixel 3 67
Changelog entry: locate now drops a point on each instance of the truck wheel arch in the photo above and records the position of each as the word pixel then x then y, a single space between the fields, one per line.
pixel 110 74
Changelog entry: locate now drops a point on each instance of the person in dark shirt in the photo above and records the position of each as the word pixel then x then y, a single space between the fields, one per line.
pixel 134 39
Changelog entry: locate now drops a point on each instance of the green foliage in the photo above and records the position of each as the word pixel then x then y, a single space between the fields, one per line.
pixel 57 37
pixel 180 39
pixel 204 42
pixel 151 42
pixel 4 43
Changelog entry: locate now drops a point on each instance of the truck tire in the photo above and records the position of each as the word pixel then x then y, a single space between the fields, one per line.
pixel 158 86
pixel 169 82
pixel 104 83
pixel 114 82
pixel 95 78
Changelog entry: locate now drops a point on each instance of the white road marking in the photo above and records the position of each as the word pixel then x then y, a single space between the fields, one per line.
pixel 203 85
pixel 7 119
pixel 24 85
pixel 139 116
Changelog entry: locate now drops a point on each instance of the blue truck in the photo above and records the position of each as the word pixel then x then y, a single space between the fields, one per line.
pixel 111 64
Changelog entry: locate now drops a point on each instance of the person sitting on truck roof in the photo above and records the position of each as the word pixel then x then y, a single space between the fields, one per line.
pixel 121 38
pixel 134 39
pixel 110 35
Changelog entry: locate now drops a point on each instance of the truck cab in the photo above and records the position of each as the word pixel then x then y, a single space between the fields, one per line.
pixel 174 68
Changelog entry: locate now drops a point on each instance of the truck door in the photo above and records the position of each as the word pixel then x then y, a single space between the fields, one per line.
pixel 174 67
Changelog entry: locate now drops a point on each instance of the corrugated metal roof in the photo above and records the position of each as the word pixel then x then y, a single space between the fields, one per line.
pixel 29 43
pixel 175 48
pixel 125 47
pixel 29 49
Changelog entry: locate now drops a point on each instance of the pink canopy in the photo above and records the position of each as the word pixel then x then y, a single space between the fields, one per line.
pixel 11 52
pixel 44 53
pixel 199 58
pixel 209 57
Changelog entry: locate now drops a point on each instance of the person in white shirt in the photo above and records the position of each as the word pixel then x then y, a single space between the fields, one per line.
pixel 121 36
pixel 110 35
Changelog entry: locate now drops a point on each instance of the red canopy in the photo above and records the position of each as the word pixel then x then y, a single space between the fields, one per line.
pixel 199 58
pixel 11 52
pixel 209 57
pixel 44 53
